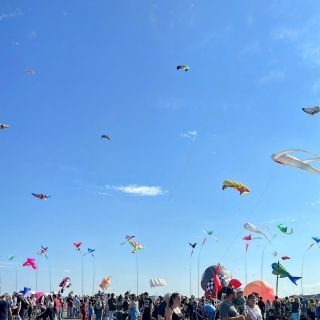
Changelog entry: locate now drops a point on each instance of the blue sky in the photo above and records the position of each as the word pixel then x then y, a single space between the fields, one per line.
pixel 109 67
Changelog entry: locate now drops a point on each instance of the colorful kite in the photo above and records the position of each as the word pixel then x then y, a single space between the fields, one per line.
pixel 30 262
pixel 278 269
pixel 254 229
pixel 43 250
pixel 105 283
pixel 249 238
pixel 77 245
pixel 284 229
pixel 65 283
pixel 41 196
pixel 283 157
pixel 193 246
pixel 285 258
pixel 4 126
pixel 105 136
pixel 183 67
pixel 236 185
pixel 136 246
pixel 128 237
pixel 312 111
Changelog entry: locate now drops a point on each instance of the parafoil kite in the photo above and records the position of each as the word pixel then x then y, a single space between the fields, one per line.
pixel 77 245
pixel 264 289
pixel 236 185
pixel 65 283
pixel 283 157
pixel 253 228
pixel 105 136
pixel 41 196
pixel 211 278
pixel 279 269
pixel 105 283
pixel 183 67
pixel 285 258
pixel 30 262
pixel 4 126
pixel 284 229
pixel 157 282
pixel 128 237
pixel 136 246
pixel 312 111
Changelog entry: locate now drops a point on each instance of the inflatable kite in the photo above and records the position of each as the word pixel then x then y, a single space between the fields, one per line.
pixel 30 262
pixel 77 245
pixel 236 185
pixel 253 228
pixel 285 258
pixel 183 67
pixel 284 229
pixel 105 136
pixel 4 126
pixel 235 283
pixel 264 289
pixel 158 282
pixel 41 196
pixel 136 246
pixel 279 269
pixel 65 283
pixel 312 111
pixel 128 237
pixel 105 283
pixel 283 157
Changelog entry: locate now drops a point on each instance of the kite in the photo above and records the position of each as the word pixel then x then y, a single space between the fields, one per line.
pixel 207 233
pixel 253 228
pixel 317 241
pixel 249 238
pixel 4 126
pixel 30 262
pixel 77 245
pixel 25 290
pixel 105 136
pixel 91 251
pixel 157 282
pixel 283 157
pixel 43 250
pixel 65 283
pixel 312 111
pixel 136 246
pixel 193 246
pixel 284 229
pixel 280 270
pixel 31 72
pixel 274 253
pixel 41 196
pixel 128 237
pixel 10 258
pixel 183 67
pixel 285 258
pixel 236 185
pixel 235 283
pixel 105 283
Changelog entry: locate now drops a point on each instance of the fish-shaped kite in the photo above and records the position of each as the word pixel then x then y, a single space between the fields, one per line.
pixel 285 258
pixel 77 245
pixel 254 229
pixel 30 262
pixel 236 185
pixel 284 229
pixel 4 126
pixel 128 237
pixel 41 196
pixel 136 246
pixel 65 283
pixel 105 136
pixel 105 283
pixel 183 67
pixel 279 269
pixel 193 246
pixel 312 110
pixel 283 157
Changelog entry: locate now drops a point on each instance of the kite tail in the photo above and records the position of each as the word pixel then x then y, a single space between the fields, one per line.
pixel 294 279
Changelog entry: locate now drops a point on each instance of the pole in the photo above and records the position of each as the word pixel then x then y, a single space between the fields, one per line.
pixel 82 275
pixel 49 275
pixel 199 273
pixel 94 274
pixel 190 279
pixel 245 267
pixel 137 274
pixel 16 278
pixel 277 283
pixel 302 263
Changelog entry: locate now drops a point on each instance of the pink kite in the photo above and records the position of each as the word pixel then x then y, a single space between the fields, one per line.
pixel 77 245
pixel 30 262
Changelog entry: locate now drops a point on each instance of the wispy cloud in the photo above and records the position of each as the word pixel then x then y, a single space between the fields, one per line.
pixel 189 135
pixel 314 203
pixel 274 75
pixel 10 15
pixel 150 191
pixel 282 219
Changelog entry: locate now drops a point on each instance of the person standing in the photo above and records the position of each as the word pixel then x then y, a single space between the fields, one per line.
pixel 209 309
pixel 98 308
pixel 253 311
pixel 112 304
pixel 227 310
pixel 262 307
pixel 5 310
pixel 134 307
pixel 295 309
pixel 173 311
pixel 146 307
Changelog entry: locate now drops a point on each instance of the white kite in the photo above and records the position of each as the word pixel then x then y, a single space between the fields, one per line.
pixel 157 282
pixel 312 111
pixel 283 157
pixel 253 228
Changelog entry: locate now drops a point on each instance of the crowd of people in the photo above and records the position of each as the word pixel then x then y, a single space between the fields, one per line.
pixel 233 306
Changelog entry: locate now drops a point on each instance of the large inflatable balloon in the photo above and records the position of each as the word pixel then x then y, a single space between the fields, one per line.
pixel 264 289
pixel 224 276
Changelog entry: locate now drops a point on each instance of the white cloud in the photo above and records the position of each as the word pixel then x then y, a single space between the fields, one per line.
pixel 314 203
pixel 150 191
pixel 189 135
pixel 10 15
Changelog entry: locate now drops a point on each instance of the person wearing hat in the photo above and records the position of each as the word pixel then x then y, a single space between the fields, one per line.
pixel 227 309
pixel 240 301
pixel 253 311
